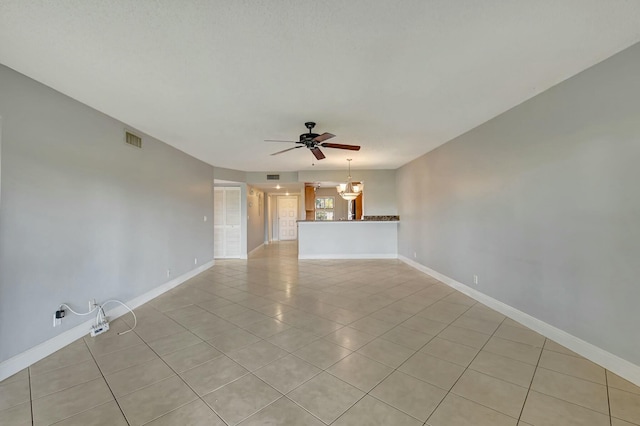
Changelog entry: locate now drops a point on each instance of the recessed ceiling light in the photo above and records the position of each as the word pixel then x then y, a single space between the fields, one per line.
pixel 277 186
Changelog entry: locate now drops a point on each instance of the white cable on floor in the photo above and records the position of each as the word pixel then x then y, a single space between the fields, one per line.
pixel 101 315
pixel 135 320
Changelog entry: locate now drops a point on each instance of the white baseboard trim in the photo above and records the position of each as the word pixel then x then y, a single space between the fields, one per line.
pixel 614 363
pixel 348 256
pixel 18 362
pixel 261 246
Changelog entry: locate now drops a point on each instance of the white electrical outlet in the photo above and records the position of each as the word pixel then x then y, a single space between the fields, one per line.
pixel 475 279
pixel 415 255
pixel 205 218
pixel 168 273
pixel 195 260
pixel 56 321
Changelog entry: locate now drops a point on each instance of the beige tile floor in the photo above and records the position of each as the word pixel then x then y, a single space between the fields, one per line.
pixel 277 341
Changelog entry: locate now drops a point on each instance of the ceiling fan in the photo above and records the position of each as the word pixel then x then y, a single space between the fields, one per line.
pixel 314 142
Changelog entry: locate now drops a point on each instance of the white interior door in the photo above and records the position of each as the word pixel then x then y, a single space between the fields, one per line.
pixel 287 216
pixel 227 231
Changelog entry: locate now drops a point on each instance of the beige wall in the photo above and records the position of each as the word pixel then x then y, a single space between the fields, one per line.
pixel 85 215
pixel 542 203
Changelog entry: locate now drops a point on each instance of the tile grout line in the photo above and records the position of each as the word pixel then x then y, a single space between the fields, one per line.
pixel 467 367
pixel 421 347
pixel 381 308
pixel 536 367
pixel 417 351
pixel 585 407
pixel 198 397
pixel 532 378
pixel 225 354
pixel 398 367
pixel 284 395
pixel 30 395
pixel 323 370
pixel 105 382
pixel 74 386
pixel 570 374
pixel 606 381
pixel 385 377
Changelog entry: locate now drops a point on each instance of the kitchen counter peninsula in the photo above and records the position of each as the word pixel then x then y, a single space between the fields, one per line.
pixel 372 238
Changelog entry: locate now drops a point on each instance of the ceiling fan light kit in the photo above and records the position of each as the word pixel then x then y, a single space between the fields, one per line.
pixel 314 142
pixel 349 191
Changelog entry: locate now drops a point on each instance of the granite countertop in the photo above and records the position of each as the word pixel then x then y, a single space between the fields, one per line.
pixel 365 219
pixel 391 218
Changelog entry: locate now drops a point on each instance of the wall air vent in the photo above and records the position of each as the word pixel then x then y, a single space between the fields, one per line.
pixel 133 140
pixel 273 177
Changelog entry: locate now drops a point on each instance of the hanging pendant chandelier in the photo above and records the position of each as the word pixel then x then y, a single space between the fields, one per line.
pixel 349 191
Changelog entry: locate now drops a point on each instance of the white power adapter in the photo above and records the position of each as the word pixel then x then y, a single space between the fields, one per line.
pixel 97 329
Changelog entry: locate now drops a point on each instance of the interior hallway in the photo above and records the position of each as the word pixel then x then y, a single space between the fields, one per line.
pixel 274 340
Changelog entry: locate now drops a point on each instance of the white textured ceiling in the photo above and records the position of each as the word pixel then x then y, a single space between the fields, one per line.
pixel 215 78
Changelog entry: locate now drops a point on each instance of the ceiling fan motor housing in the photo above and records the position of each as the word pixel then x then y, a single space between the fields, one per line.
pixel 308 137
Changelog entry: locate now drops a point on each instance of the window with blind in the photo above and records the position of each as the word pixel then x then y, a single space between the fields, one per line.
pixel 324 208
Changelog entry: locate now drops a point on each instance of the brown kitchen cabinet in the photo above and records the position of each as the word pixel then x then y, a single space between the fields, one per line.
pixel 309 202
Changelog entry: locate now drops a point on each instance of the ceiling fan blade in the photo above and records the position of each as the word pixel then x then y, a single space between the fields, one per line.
pixel 340 146
pixel 324 137
pixel 285 150
pixel 317 153
pixel 273 140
